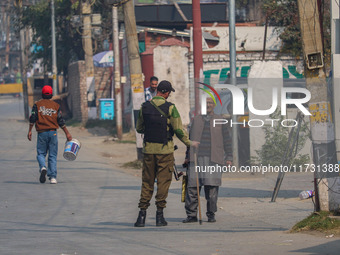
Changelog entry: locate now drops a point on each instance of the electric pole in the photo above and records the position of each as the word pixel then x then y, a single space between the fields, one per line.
pixel 87 37
pixel 54 51
pixel 321 123
pixel 136 75
pixel 232 57
pixel 23 63
pixel 87 45
pixel 197 51
pixel 8 27
pixel 118 99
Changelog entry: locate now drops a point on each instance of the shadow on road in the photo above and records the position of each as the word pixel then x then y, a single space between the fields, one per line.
pixel 332 247
pixel 244 192
pixel 17 182
pixel 121 187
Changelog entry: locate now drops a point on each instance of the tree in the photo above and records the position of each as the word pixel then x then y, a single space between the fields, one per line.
pixel 68 38
pixel 284 13
pixel 276 143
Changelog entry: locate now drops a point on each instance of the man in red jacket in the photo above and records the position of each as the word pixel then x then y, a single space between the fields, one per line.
pixel 46 116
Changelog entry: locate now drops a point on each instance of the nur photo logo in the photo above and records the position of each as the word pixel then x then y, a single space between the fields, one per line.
pixel 209 93
pixel 244 103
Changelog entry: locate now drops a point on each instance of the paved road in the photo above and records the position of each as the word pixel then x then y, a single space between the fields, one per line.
pixel 93 207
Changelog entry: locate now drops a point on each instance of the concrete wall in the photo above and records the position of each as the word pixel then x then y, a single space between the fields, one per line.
pixel 263 77
pixel 171 63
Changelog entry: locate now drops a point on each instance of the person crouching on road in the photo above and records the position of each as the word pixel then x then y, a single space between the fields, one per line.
pixel 158 120
pixel 46 115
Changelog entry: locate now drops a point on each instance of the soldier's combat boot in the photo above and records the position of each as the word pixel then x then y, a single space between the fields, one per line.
pixel 141 219
pixel 160 221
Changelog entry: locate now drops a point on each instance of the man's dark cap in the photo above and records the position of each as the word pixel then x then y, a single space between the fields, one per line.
pixel 165 86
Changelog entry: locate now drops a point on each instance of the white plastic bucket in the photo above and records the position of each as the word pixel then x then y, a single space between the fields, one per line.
pixel 71 149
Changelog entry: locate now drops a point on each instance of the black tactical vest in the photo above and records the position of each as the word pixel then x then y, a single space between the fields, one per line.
pixel 156 124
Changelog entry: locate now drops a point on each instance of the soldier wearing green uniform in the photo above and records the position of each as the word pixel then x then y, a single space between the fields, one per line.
pixel 158 120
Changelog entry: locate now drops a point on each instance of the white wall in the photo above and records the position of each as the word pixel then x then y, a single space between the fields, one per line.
pixel 171 63
pixel 263 77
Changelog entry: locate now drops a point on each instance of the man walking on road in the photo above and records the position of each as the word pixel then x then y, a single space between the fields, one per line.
pixel 158 120
pixel 46 116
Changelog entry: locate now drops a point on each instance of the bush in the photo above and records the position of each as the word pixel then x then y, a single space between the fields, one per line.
pixel 275 146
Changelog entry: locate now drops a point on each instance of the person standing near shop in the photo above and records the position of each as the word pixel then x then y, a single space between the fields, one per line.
pixel 158 120
pixel 151 91
pixel 46 116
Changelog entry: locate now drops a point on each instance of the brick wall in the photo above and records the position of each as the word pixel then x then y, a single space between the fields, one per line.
pixel 77 98
pixel 77 89
pixel 102 77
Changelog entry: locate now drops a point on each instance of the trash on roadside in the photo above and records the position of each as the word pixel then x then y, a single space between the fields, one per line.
pixel 306 194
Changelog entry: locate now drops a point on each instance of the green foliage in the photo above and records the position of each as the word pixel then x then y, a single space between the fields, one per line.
pixel 317 221
pixel 285 13
pixel 274 148
pixel 68 38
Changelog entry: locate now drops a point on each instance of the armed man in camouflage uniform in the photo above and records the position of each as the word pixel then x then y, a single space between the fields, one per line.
pixel 158 120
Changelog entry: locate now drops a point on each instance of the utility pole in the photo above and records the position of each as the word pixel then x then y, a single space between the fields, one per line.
pixel 232 57
pixel 54 51
pixel 87 45
pixel 136 75
pixel 8 27
pixel 87 37
pixel 23 64
pixel 118 98
pixel 197 50
pixel 321 123
pixel 335 50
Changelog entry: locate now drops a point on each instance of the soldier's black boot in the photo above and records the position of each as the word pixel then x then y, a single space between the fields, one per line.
pixel 141 219
pixel 160 221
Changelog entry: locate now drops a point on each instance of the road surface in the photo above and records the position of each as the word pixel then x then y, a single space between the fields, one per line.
pixel 92 209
